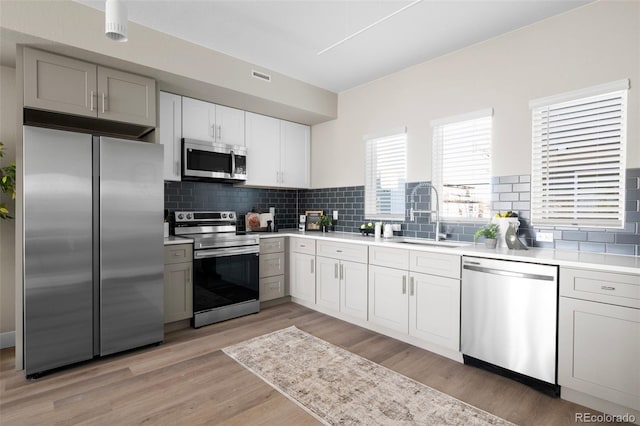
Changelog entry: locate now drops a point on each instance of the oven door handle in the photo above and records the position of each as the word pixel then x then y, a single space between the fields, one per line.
pixel 225 252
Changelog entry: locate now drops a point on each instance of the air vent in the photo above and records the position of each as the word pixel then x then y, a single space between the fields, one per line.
pixel 261 76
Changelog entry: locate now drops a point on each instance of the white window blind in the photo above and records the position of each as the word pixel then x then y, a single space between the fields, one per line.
pixel 578 159
pixel 385 170
pixel 462 165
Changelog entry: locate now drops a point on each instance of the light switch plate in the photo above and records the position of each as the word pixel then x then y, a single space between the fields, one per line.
pixel 544 237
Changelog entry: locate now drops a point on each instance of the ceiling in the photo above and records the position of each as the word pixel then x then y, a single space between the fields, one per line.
pixel 285 36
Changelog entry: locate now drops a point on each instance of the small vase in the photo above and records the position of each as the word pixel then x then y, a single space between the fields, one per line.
pixel 490 243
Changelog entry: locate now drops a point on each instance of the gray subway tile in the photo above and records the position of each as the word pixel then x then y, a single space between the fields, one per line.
pixel 509 196
pixel 566 245
pixel 521 205
pixel 627 238
pixel 502 187
pixel 501 205
pixel 592 247
pixel 521 187
pixel 601 237
pixel 509 179
pixel 524 178
pixel 574 236
pixel 621 249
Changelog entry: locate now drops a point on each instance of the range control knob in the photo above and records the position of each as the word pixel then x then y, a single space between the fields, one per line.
pixel 230 215
pixel 180 216
pixel 188 215
pixel 224 215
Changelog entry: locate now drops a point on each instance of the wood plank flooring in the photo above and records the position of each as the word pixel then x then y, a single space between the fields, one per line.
pixel 189 381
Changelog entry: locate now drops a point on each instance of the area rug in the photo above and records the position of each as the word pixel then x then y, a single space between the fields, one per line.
pixel 341 388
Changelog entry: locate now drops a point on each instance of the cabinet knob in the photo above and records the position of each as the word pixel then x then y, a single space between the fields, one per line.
pixel 608 288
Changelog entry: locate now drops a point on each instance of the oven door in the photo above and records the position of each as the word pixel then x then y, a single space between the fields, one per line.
pixel 223 277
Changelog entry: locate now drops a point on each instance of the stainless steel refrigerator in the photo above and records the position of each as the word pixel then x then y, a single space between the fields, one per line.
pixel 93 246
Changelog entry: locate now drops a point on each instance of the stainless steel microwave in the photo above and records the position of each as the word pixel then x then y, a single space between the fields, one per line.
pixel 202 160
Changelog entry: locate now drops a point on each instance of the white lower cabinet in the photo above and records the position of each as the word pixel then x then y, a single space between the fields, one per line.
pixel 341 286
pixel 434 309
pixel 599 342
pixel 388 299
pixel 424 306
pixel 303 276
pixel 302 269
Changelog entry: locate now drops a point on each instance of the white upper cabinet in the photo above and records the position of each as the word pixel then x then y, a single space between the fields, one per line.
pixel 206 121
pixel 263 150
pixel 295 149
pixel 230 125
pixel 278 152
pixel 170 131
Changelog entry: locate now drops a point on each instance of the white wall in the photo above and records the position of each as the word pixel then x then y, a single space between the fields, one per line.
pixel 595 44
pixel 8 131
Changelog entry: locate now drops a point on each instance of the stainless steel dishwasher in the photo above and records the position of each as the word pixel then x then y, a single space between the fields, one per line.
pixel 509 319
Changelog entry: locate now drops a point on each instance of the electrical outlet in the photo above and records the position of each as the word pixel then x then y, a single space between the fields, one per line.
pixel 544 237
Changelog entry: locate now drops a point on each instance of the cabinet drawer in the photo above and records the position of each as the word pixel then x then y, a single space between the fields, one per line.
pixel 178 253
pixel 303 245
pixel 342 251
pixel 271 288
pixel 607 287
pixel 271 245
pixel 444 265
pixel 389 257
pixel 271 264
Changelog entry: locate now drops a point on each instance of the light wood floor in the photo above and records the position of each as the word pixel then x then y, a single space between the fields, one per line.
pixel 188 380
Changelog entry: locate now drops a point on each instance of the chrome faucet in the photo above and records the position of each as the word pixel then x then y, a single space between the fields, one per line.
pixel 435 211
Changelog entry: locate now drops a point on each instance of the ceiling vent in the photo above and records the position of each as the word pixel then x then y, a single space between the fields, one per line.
pixel 261 76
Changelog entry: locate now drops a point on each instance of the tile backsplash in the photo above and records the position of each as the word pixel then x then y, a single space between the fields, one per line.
pixel 222 196
pixel 508 193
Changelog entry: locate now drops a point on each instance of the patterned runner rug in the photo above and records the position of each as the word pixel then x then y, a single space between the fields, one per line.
pixel 339 387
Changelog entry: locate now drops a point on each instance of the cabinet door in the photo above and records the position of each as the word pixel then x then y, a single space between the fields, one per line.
pixel 295 154
pixel 198 120
pixel 353 289
pixel 126 97
pixel 263 150
pixel 598 350
pixel 434 309
pixel 58 83
pixel 229 125
pixel 170 133
pixel 178 292
pixel 388 298
pixel 271 288
pixel 302 274
pixel 328 283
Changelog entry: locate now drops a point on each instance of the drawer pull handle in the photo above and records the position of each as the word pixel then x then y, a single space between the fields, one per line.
pixel 338 251
pixel 609 288
pixel 302 245
pixel 404 284
pixel 177 254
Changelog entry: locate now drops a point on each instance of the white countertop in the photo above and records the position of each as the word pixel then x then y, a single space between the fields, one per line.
pixel 172 239
pixel 584 260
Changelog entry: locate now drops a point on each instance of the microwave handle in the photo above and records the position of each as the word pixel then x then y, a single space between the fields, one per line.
pixel 233 163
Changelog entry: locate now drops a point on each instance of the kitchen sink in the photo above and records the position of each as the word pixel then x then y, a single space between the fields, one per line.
pixel 432 243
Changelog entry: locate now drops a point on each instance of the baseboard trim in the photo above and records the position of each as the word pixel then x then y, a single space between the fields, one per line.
pixel 7 339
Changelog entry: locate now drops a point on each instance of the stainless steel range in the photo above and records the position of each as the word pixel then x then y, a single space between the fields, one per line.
pixel 225 266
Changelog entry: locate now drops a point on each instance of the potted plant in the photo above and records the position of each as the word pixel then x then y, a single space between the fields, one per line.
pixel 325 222
pixel 7 184
pixel 490 233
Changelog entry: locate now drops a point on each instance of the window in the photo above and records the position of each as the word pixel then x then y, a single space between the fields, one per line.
pixel 462 165
pixel 578 158
pixel 385 174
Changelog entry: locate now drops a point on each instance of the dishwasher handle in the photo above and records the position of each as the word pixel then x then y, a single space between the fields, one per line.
pixel 509 273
